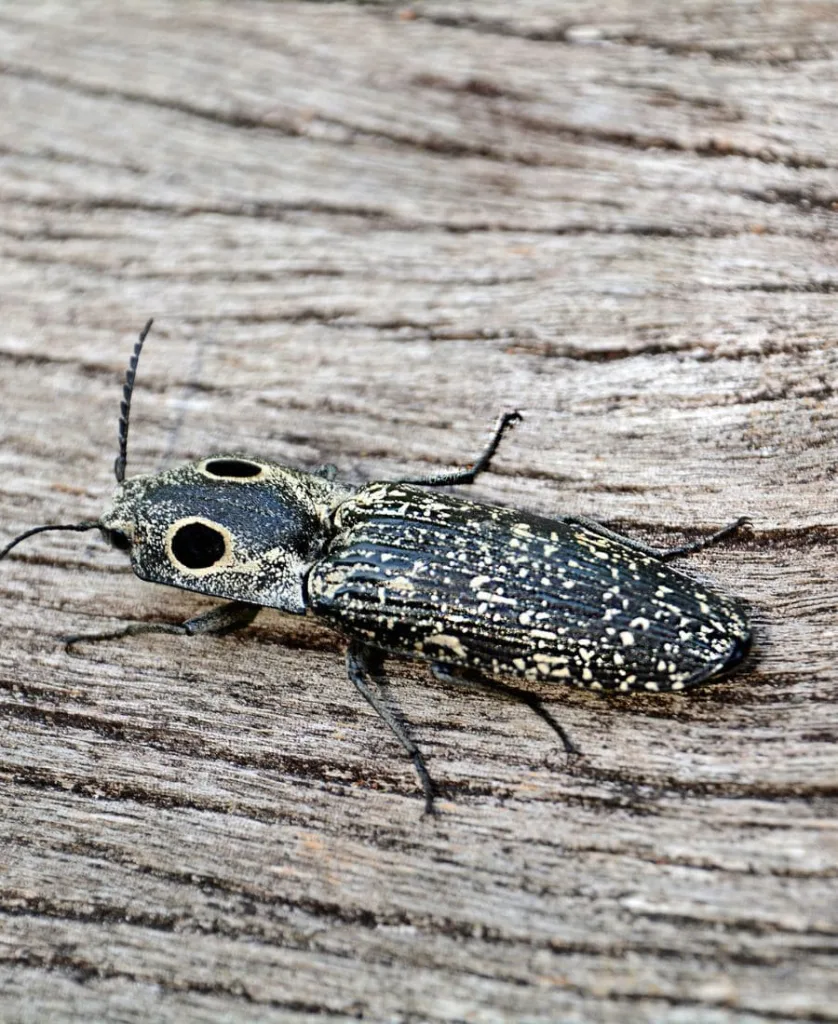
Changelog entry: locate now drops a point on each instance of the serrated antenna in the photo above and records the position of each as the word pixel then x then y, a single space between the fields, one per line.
pixel 125 404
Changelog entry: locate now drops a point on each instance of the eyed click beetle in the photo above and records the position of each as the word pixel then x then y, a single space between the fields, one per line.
pixel 479 592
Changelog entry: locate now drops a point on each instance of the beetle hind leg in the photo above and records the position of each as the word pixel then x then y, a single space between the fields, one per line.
pixel 662 554
pixel 705 542
pixel 448 675
pixel 362 665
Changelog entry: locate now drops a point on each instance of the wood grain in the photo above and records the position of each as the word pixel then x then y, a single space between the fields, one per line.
pixel 363 230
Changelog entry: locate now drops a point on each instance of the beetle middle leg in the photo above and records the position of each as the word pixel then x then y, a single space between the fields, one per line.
pixel 467 475
pixel 448 675
pixel 225 619
pixel 362 665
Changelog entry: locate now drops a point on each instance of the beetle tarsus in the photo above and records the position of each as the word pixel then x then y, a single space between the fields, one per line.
pixel 224 619
pixel 705 542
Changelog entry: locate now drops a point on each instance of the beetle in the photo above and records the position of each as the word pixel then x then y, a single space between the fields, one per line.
pixel 480 592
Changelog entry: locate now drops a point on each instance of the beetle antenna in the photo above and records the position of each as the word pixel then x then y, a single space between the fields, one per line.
pixel 76 527
pixel 125 404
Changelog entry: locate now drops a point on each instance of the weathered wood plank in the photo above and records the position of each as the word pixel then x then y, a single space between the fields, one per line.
pixel 363 229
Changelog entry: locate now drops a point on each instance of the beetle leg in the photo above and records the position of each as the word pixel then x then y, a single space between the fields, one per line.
pixel 447 675
pixel 224 619
pixel 706 542
pixel 662 555
pixel 362 662
pixel 467 475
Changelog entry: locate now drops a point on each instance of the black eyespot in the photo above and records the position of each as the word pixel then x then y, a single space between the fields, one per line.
pixel 118 539
pixel 232 467
pixel 198 546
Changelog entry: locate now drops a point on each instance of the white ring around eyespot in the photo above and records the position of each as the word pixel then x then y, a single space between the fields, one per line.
pixel 224 562
pixel 202 468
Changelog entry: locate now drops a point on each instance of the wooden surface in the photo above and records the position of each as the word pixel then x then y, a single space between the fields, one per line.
pixel 363 230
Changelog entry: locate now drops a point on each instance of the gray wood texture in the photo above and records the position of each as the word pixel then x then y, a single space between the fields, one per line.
pixel 364 230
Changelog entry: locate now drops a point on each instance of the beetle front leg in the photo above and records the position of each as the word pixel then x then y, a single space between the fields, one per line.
pixel 362 663
pixel 467 475
pixel 235 615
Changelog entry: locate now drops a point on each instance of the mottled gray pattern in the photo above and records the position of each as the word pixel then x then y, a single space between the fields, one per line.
pixel 501 591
